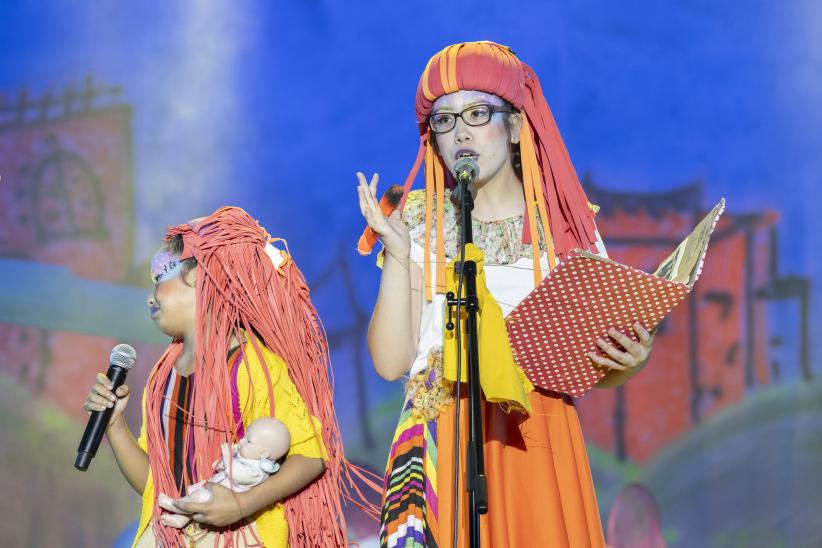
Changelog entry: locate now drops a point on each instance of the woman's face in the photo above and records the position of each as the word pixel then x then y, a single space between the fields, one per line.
pixel 173 304
pixel 490 144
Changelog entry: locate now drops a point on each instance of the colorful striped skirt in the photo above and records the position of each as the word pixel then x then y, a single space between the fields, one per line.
pixel 540 490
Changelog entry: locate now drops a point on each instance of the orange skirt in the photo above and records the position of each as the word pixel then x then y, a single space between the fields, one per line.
pixel 540 491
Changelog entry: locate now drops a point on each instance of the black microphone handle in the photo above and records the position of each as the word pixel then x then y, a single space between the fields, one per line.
pixel 97 422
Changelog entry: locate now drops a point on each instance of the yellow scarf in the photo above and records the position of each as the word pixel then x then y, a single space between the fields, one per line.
pixel 501 379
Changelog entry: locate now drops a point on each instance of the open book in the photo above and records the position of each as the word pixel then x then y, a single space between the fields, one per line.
pixel 555 327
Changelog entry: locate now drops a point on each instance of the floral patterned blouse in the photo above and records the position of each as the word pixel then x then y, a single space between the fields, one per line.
pixel 500 240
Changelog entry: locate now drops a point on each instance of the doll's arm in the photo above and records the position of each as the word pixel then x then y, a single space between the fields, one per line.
pixel 226 450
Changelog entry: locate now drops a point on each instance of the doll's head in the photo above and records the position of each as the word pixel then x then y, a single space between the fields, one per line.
pixel 265 438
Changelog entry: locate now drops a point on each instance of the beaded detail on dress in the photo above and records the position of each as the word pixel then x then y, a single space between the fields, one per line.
pixel 429 393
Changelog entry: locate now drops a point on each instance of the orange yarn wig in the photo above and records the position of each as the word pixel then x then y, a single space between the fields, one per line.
pixel 552 189
pixel 241 294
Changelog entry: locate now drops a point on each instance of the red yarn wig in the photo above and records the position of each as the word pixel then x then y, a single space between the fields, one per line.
pixel 239 291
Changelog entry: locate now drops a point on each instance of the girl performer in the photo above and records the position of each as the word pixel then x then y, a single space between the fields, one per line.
pixel 247 343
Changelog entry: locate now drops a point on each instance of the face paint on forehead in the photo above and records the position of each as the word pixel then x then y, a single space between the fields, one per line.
pixel 165 266
pixel 465 98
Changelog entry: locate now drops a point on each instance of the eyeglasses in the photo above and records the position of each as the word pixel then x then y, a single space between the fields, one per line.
pixel 477 115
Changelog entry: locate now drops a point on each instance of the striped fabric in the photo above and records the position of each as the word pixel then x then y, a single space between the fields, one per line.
pixel 176 423
pixel 409 511
pixel 235 358
pixel 176 428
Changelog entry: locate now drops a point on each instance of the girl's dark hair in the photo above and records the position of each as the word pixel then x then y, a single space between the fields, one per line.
pixel 175 247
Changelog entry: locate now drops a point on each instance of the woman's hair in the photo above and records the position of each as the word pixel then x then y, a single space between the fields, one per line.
pixel 516 155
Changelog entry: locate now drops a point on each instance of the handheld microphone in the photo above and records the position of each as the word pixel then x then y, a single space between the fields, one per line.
pixel 122 359
pixel 466 170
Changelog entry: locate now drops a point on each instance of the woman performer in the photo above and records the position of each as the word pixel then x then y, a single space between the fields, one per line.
pixel 478 99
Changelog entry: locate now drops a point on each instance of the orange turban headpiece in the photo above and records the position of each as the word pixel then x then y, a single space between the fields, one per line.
pixel 550 182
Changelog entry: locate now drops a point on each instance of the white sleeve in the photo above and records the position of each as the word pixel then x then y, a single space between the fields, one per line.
pixel 600 245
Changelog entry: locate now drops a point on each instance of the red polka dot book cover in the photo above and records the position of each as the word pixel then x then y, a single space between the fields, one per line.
pixel 555 327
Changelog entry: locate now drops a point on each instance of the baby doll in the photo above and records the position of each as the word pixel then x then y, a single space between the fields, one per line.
pixel 243 465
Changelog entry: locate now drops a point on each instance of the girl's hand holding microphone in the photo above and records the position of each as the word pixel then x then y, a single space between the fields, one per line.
pixel 102 397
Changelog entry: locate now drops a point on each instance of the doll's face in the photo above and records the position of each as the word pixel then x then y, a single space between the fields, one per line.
pixel 250 447
pixel 265 438
pixel 490 144
pixel 172 303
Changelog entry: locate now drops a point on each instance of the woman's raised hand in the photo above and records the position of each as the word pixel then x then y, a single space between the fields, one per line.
pixel 391 230
pixel 102 397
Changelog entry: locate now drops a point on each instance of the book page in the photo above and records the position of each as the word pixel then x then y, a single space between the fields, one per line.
pixel 685 263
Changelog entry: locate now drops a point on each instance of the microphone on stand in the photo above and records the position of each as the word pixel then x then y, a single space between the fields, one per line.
pixel 122 359
pixel 466 170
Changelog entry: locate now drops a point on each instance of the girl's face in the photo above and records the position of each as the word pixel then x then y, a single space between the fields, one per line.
pixel 173 304
pixel 490 144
